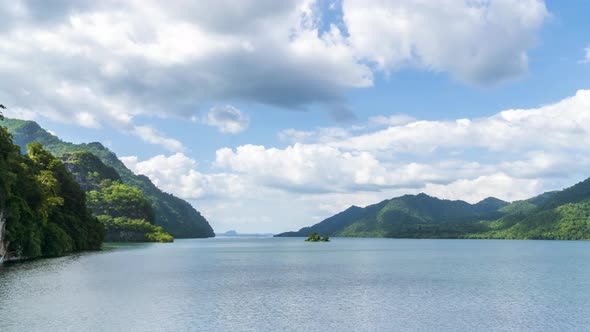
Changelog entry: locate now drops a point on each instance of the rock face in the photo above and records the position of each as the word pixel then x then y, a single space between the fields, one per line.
pixel 3 242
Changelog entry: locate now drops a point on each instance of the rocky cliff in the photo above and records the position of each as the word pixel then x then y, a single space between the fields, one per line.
pixel 3 242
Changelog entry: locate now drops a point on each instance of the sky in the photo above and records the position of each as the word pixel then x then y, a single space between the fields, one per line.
pixel 268 115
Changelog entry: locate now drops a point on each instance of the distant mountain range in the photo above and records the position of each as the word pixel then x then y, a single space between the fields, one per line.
pixel 175 215
pixel 559 215
pixel 233 233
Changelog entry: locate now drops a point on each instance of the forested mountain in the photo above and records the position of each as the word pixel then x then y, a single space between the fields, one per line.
pixel 398 216
pixel 560 215
pixel 42 209
pixel 556 215
pixel 175 215
pixel 124 210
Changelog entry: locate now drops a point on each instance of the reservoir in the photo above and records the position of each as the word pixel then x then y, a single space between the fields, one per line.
pixel 286 284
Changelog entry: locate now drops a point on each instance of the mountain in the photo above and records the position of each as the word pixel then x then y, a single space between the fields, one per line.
pixel 124 210
pixel 88 170
pixel 175 215
pixel 558 215
pixel 234 233
pixel 43 210
pixel 404 216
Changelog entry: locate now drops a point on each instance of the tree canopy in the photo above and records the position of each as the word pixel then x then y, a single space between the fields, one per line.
pixel 46 212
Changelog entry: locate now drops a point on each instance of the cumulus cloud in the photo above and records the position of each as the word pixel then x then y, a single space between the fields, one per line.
pixel 152 135
pixel 321 168
pixel 227 119
pixel 177 174
pixel 102 64
pixel 479 42
pixel 106 62
pixel 373 161
pixel 493 185
pixel 294 136
pixel 562 125
pixel 586 55
pixel 147 57
pixel 511 155
pixel 393 120
pixel 319 135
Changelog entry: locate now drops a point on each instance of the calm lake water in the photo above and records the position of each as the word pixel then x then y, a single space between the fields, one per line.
pixel 285 284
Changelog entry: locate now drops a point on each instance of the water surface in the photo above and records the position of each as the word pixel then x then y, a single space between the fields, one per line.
pixel 285 284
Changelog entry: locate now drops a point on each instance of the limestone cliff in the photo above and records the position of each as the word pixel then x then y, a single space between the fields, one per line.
pixel 3 242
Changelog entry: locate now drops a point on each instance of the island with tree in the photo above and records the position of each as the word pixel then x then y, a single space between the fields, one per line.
pixel 315 237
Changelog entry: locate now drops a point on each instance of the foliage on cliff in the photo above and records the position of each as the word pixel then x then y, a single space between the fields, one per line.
pixel 133 230
pixel 46 212
pixel 175 215
pixel 121 208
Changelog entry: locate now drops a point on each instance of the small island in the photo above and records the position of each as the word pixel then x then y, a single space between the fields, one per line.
pixel 315 237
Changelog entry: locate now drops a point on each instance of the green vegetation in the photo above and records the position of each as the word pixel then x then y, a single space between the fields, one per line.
pixel 123 229
pixel 561 215
pixel 415 216
pixel 315 237
pixel 119 200
pixel 45 209
pixel 124 211
pixel 175 215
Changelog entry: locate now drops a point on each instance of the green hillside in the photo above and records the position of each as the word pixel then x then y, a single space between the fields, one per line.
pixel 124 210
pixel 43 210
pixel 560 215
pixel 407 216
pixel 175 215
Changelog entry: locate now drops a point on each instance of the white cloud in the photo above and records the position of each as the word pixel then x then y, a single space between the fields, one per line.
pixel 87 120
pixel 562 125
pixel 476 41
pixel 495 185
pixel 523 146
pixel 321 168
pixel 294 136
pixel 227 119
pixel 325 134
pixel 108 62
pixel 393 120
pixel 20 113
pixel 99 64
pixel 511 155
pixel 151 135
pixel 172 56
pixel 177 174
pixel 586 55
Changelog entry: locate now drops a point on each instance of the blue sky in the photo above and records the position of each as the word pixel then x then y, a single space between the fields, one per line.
pixel 269 116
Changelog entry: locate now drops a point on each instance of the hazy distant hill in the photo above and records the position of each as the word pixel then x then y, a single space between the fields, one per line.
pixel 233 233
pixel 177 216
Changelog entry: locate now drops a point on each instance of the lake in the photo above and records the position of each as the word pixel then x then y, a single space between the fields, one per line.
pixel 286 284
